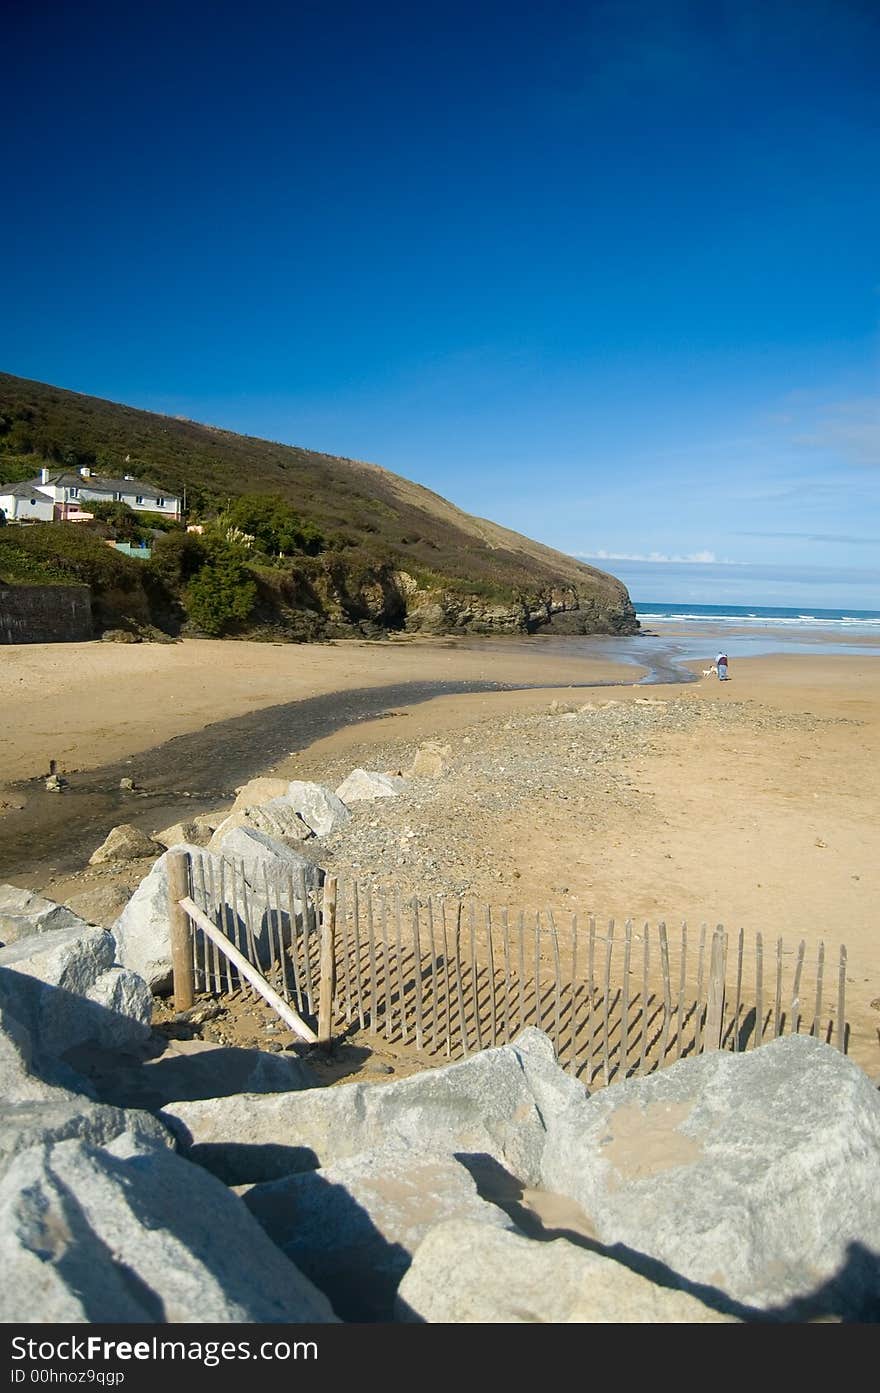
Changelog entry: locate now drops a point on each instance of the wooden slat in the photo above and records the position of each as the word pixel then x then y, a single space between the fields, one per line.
pixel 794 1025
pixel 287 953
pixel 624 998
pixel 433 951
pixel 344 978
pixel 557 983
pixel 645 970
pixel 667 990
pixel 572 1048
pixel 253 975
pixel 327 964
pixel 238 937
pixel 521 967
pixel 459 990
pixel 417 956
pixel 398 946
pixel 475 974
pixel 539 1015
pixel 679 1022
pixel 446 982
pixel 307 922
pixel 739 978
pixel 820 972
pixel 356 934
pixel 274 955
pixel 841 1002
pixel 715 992
pixel 386 963
pixel 606 995
pixel 591 1004
pixel 178 871
pixel 224 919
pixel 505 947
pixel 777 1002
pixel 759 990
pixel 371 948
pixel 490 960
pixel 701 966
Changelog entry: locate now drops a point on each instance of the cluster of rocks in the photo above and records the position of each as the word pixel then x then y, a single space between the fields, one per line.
pixel 275 826
pixel 727 1188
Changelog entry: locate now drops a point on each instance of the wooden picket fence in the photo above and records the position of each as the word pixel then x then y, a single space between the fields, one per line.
pixel 449 977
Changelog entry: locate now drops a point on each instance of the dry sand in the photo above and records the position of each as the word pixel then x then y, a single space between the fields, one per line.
pixel 767 821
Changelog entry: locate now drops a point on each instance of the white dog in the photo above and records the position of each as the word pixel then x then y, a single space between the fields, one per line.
pixel 708 671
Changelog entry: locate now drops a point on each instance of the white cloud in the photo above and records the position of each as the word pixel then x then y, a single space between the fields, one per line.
pixel 696 558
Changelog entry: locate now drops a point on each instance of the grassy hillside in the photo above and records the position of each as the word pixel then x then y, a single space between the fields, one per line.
pixel 354 506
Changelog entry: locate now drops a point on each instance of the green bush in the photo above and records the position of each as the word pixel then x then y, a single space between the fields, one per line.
pixel 274 525
pixel 222 594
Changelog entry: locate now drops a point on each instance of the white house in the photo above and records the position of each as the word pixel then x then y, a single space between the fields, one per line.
pixel 25 503
pixel 71 492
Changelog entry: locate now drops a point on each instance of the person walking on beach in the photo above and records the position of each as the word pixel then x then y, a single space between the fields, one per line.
pixel 721 664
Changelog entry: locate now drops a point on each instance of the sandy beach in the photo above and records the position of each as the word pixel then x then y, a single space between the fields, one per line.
pixel 753 803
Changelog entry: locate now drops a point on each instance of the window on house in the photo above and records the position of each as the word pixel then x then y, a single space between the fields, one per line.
pixel 74 493
pixel 160 502
pixel 139 498
pixel 117 498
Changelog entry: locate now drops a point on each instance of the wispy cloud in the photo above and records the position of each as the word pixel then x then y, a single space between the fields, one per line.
pixel 695 558
pixel 845 538
pixel 850 428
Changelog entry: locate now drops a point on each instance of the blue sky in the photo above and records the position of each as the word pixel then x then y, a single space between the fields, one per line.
pixel 604 272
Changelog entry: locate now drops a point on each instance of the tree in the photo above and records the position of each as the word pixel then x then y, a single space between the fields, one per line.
pixel 222 593
pixel 276 527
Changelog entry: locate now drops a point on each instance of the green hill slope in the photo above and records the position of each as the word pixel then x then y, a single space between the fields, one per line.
pixel 394 552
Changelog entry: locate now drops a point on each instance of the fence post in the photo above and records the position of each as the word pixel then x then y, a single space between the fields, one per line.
pixel 181 933
pixel 715 993
pixel 328 962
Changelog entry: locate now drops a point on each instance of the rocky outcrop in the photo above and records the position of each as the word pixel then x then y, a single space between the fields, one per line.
pixel 442 611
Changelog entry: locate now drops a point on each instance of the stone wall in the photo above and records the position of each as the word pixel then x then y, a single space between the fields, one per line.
pixel 45 613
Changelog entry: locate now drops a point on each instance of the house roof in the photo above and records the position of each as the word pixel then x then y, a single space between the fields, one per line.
pixel 99 483
pixel 26 490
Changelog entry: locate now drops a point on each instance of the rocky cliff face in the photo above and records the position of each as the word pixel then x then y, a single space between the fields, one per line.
pixel 338 598
pixel 564 609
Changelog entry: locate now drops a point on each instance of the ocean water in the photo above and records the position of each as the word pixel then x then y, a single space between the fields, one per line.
pixel 837 621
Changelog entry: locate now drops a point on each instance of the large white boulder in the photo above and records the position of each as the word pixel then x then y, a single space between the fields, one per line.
pixel 23 913
pixel 365 785
pixel 69 990
pixel 142 930
pixel 258 791
pixel 466 1272
pixel 129 1232
pixel 277 820
pixel 125 843
pixel 487 1104
pixel 63 1115
pixel 752 1174
pixel 353 1226
pixel 318 806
